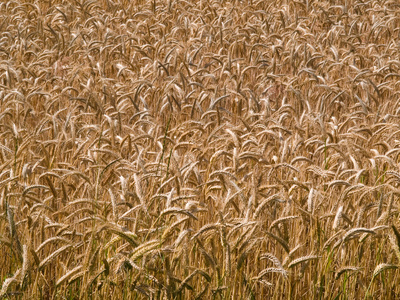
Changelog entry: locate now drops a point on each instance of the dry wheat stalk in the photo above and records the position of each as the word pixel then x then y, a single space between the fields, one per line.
pixel 121 121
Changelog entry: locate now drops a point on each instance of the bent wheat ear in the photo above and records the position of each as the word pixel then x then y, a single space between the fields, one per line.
pixel 382 267
pixel 144 249
pixel 68 275
pixel 6 283
pixel 355 231
pixel 303 259
pixel 189 277
pixel 49 258
pixel 281 241
pixel 264 272
pixel 54 239
pixel 346 269
pixel 264 203
pixel 272 258
pixel 130 237
pixel 281 220
pixel 206 228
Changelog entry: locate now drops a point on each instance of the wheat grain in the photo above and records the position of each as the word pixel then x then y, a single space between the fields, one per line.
pixel 303 259
pixel 49 258
pixel 346 269
pixel 382 267
pixel 174 142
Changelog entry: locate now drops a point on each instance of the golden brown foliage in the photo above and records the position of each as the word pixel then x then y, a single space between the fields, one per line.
pixel 172 149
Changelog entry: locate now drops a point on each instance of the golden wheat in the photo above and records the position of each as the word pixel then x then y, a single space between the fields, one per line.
pixel 199 149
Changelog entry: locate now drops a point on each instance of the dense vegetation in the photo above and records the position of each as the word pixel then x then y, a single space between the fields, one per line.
pixel 171 149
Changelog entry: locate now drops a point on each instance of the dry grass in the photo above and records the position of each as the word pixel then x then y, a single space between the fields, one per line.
pixel 199 149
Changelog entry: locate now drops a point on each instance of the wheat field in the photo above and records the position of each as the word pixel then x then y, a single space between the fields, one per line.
pixel 209 149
